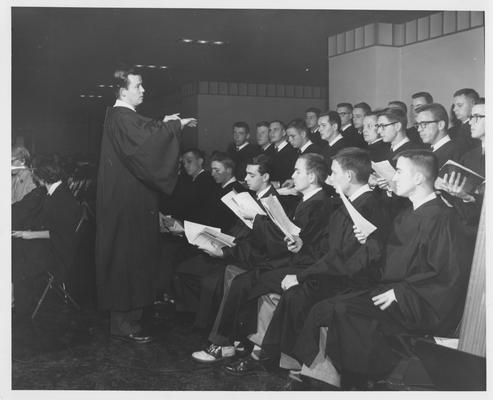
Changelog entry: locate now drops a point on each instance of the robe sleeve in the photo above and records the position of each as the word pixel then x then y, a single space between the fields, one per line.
pixel 148 148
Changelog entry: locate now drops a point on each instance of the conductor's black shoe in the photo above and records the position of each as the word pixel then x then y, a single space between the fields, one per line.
pixel 245 366
pixel 134 338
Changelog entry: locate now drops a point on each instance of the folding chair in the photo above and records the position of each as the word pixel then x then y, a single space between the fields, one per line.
pixel 59 287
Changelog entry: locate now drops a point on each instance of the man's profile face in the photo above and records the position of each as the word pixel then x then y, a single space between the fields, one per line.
pixel 134 93
pixel 462 107
pixel 388 132
pixel 311 120
pixel 345 114
pixel 192 164
pixel 294 138
pixel 301 177
pixel 253 178
pixel 276 132
pixel 429 134
pixel 404 177
pixel 262 135
pixel 325 128
pixel 240 136
pixel 220 173
pixel 477 121
pixel 358 116
pixel 340 177
pixel 370 133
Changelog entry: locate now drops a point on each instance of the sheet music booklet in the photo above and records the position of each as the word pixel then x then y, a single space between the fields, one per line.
pixel 277 214
pixel 207 237
pixel 237 201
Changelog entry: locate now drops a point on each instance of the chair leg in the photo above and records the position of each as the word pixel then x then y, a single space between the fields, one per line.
pixel 41 299
pixel 66 296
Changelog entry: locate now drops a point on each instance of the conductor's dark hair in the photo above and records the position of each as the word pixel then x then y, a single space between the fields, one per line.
pixel 224 159
pixel 398 104
pixel 196 153
pixel 424 160
pixel 298 124
pixel 120 78
pixel 425 95
pixel 356 160
pixel 241 124
pixel 363 106
pixel 264 164
pixel 46 169
pixel 395 115
pixel 314 110
pixel 469 93
pixel 349 106
pixel 334 118
pixel 316 164
pixel 437 110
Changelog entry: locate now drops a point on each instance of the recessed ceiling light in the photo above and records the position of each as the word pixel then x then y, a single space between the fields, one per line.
pixel 187 40
pixel 202 41
pixel 151 66
pixel 163 66
pixel 82 95
pixel 139 65
pixel 90 95
pixel 99 96
pixel 218 42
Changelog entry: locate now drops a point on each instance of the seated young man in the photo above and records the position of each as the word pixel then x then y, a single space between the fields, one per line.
pixel 47 241
pixel 311 216
pixel 422 289
pixel 345 263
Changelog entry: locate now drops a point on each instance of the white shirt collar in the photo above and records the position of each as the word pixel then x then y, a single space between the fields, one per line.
pixel 265 147
pixel 53 187
pixel 196 176
pixel 304 147
pixel 400 144
pixel 343 128
pixel 428 198
pixel 359 192
pixel 233 179
pixel 311 193
pixel 336 139
pixel 262 192
pixel 121 103
pixel 282 145
pixel 440 143
pixel 238 148
pixel 376 140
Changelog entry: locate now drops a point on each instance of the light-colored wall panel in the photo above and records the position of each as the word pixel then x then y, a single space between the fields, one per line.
pixel 369 34
pixel 463 20
pixel 423 28
pixel 411 32
pixel 449 21
pixel 359 37
pixel 436 25
pixel 385 34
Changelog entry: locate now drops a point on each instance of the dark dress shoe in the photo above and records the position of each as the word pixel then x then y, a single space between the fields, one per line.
pixel 246 366
pixel 134 338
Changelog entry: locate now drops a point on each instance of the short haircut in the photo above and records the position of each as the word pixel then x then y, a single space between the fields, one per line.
pixel 196 152
pixel 437 110
pixel 480 101
pixel 21 153
pixel 120 78
pixel 372 114
pixel 349 106
pixel 262 123
pixel 316 164
pixel 283 125
pixel 395 115
pixel 46 169
pixel 398 104
pixel 314 110
pixel 356 160
pixel 241 124
pixel 469 93
pixel 298 124
pixel 424 160
pixel 364 106
pixel 224 159
pixel 264 164
pixel 334 118
pixel 425 95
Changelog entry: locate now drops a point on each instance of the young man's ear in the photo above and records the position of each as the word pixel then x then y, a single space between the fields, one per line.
pixel 441 125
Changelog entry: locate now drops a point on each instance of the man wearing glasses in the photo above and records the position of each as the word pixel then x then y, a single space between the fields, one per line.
pixel 431 123
pixel 464 100
pixel 348 131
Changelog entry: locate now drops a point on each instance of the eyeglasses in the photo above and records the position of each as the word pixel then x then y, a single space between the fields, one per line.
pixel 476 117
pixel 381 126
pixel 344 113
pixel 424 124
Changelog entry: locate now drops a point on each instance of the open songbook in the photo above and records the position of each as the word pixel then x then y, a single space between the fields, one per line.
pixel 362 224
pixel 238 201
pixel 384 170
pixel 277 214
pixel 473 179
pixel 207 237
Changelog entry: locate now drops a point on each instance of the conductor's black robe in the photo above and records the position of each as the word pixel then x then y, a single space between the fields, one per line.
pixel 427 265
pixel 139 158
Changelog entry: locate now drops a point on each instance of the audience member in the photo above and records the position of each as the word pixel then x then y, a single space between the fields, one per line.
pixel 348 131
pixel 377 148
pixel 285 156
pixel 464 100
pixel 263 140
pixel 241 150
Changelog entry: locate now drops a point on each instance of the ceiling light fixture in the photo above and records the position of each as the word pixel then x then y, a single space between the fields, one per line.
pixel 202 41
pixel 187 40
pixel 218 42
pixel 163 67
pixel 139 65
pixel 82 95
pixel 151 66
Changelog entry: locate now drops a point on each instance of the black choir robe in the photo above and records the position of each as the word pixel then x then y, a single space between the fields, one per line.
pixel 330 151
pixel 139 158
pixel 414 136
pixel 27 209
pixel 269 151
pixel 461 133
pixel 283 164
pixel 378 151
pixel 242 158
pixel 345 265
pixel 353 137
pixel 427 265
pixel 449 151
pixel 311 217
pixel 312 148
pixel 406 146
pixel 314 136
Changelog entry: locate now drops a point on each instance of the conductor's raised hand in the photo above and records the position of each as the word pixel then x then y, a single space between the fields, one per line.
pixel 190 122
pixel 384 299
pixel 359 235
pixel 289 281
pixel 172 117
